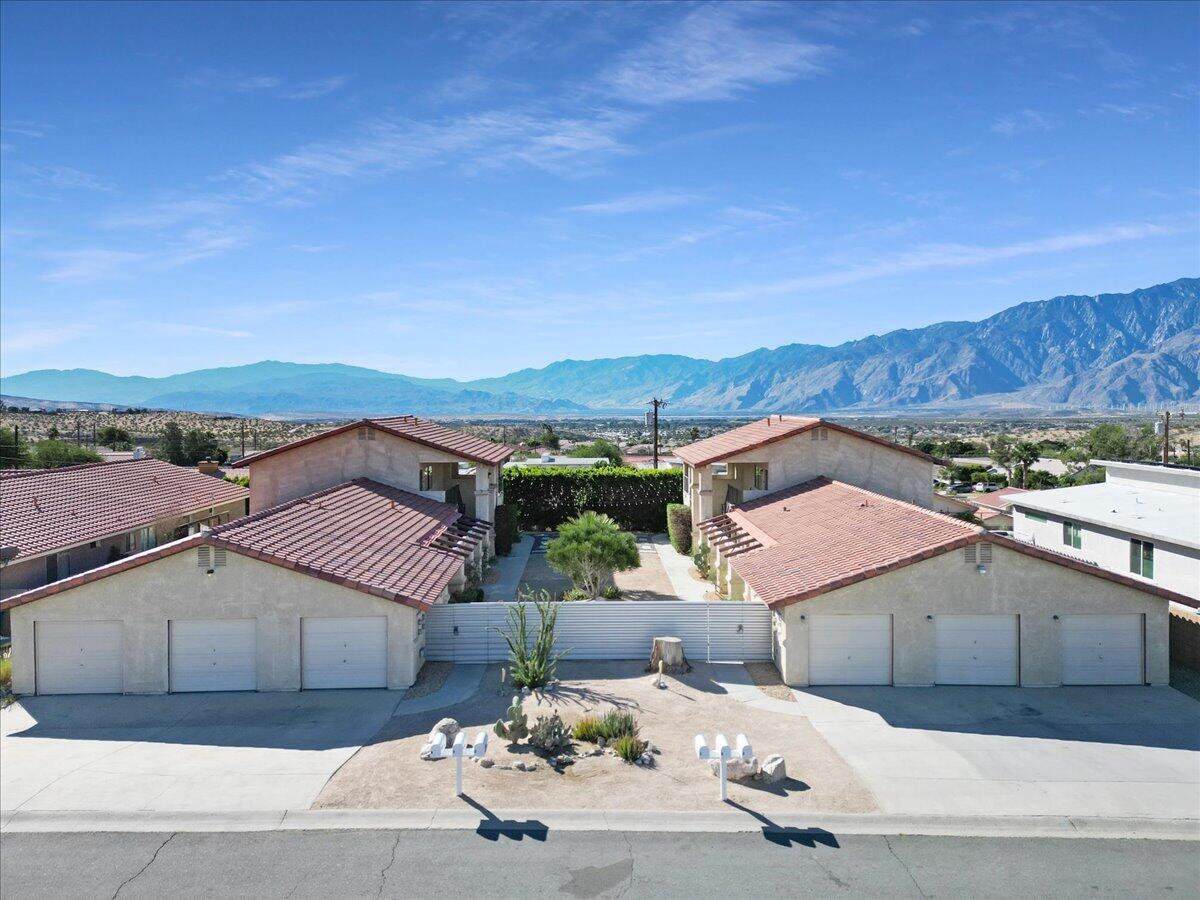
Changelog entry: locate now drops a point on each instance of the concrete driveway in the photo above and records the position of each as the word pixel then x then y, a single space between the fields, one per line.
pixel 1071 751
pixel 194 752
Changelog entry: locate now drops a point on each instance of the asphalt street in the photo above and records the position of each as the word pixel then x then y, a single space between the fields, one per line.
pixel 530 861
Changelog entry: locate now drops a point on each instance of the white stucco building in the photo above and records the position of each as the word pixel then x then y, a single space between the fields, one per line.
pixel 1142 521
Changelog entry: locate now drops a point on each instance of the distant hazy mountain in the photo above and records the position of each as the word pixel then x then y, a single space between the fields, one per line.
pixel 1100 351
pixel 279 388
pixel 1087 352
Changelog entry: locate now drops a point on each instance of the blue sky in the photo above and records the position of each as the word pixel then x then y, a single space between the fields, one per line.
pixel 463 190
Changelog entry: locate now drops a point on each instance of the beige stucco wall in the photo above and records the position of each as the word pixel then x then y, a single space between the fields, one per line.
pixel 1015 583
pixel 842 457
pixel 387 459
pixel 174 587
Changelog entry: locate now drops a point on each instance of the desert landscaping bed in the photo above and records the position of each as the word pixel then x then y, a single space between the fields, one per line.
pixel 387 773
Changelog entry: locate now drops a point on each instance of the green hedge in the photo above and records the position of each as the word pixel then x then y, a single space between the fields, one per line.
pixel 679 527
pixel 506 528
pixel 636 498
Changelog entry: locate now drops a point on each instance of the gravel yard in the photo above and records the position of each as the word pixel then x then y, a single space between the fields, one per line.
pixel 387 773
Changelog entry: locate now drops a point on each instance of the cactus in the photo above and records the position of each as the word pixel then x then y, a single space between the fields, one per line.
pixel 516 726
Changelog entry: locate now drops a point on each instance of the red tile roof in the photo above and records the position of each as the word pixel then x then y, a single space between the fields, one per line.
pixel 51 509
pixel 997 501
pixel 768 431
pixel 419 431
pixel 362 534
pixel 823 535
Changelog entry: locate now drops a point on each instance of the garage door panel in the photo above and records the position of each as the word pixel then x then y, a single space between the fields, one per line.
pixel 347 652
pixel 1103 649
pixel 977 649
pixel 78 657
pixel 213 655
pixel 849 649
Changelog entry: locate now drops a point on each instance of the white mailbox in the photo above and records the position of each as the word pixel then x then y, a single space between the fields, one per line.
pixel 722 752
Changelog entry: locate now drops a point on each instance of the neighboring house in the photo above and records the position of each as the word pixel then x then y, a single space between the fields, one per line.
pixel 1047 464
pixel 1143 521
pixel 60 522
pixel 666 462
pixel 867 589
pixel 323 591
pixel 994 509
pixel 777 452
pixel 402 451
pixel 559 462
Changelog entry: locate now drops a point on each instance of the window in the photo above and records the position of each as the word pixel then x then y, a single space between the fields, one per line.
pixel 1072 535
pixel 426 478
pixel 760 478
pixel 1141 558
pixel 1035 517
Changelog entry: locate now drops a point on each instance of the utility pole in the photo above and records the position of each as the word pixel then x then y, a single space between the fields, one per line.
pixel 243 438
pixel 1166 448
pixel 656 403
pixel 78 434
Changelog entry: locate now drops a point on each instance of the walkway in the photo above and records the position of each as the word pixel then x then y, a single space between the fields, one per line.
pixel 508 571
pixel 679 570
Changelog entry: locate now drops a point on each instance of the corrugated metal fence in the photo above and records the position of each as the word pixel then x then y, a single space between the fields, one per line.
pixel 714 632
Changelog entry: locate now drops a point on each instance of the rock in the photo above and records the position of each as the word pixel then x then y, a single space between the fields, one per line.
pixel 737 769
pixel 646 759
pixel 773 769
pixel 563 760
pixel 449 727
pixel 525 766
pixel 486 763
pixel 600 742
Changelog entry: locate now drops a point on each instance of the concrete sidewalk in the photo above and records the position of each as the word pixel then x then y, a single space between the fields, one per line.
pixel 678 571
pixel 509 571
pixel 465 814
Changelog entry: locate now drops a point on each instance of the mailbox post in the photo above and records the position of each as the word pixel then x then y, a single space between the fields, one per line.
pixel 458 750
pixel 722 752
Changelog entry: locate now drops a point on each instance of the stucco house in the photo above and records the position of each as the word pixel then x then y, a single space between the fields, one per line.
pixel 402 451
pixel 868 589
pixel 59 522
pixel 777 452
pixel 994 509
pixel 354 535
pixel 1142 521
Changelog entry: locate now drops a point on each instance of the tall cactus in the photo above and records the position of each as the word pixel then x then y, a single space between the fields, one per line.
pixel 516 726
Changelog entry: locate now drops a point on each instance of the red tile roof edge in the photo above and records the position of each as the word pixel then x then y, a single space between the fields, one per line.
pixel 213 538
pixel 370 423
pixel 682 452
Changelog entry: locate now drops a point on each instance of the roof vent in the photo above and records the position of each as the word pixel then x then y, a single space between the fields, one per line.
pixel 203 557
pixel 985 552
pixel 218 557
pixel 969 554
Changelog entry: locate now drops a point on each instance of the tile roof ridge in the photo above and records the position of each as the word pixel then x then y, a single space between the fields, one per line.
pixel 896 501
pixel 278 507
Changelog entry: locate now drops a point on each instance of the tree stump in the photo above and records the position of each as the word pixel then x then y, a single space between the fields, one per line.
pixel 668 651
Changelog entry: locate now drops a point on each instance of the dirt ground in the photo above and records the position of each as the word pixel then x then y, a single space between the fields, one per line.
pixel 647 582
pixel 387 772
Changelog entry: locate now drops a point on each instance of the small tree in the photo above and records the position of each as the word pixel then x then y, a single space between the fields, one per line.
pixel 679 528
pixel 51 454
pixel 114 437
pixel 200 445
pixel 14 454
pixel 589 549
pixel 600 447
pixel 1003 453
pixel 1026 454
pixel 171 447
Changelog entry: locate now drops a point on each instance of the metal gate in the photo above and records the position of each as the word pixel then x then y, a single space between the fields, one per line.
pixel 729 631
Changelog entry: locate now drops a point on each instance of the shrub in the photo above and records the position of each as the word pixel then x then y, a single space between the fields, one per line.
pixel 507 533
pixel 629 747
pixel 618 723
pixel 612 592
pixel 679 528
pixel 550 735
pixel 636 499
pixel 700 561
pixel 575 594
pixel 587 729
pixel 532 667
pixel 589 548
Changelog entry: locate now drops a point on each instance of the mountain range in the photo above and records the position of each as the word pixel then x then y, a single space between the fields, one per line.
pixel 1083 352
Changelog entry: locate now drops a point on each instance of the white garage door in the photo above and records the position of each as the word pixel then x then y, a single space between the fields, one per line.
pixel 849 650
pixel 1102 649
pixel 344 653
pixel 977 649
pixel 213 655
pixel 78 657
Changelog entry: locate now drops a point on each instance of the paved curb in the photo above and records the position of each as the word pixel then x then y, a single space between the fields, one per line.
pixel 718 821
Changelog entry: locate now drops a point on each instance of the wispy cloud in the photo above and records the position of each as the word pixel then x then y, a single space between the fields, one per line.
pixel 60 178
pixel 712 53
pixel 25 128
pixel 943 256
pixel 40 337
pixel 234 82
pixel 650 201
pixel 1022 121
pixel 90 264
pixel 1132 111
pixel 185 329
